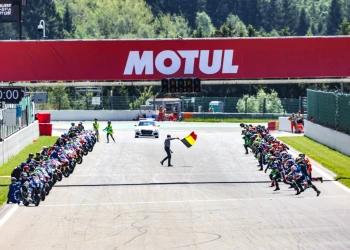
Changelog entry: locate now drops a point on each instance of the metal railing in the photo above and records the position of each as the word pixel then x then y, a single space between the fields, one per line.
pixel 26 117
pixel 188 104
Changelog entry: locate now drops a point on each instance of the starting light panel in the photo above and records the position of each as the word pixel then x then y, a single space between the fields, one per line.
pixel 181 85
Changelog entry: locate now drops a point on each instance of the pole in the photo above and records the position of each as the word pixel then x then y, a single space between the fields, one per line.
pixel 342 87
pixel 20 21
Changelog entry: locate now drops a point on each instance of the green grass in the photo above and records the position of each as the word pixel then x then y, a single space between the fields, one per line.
pixel 4 182
pixel 233 120
pixel 329 158
pixel 6 169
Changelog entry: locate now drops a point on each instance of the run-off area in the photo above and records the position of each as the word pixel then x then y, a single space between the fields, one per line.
pixel 213 198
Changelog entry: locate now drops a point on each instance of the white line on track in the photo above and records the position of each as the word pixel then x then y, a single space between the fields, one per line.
pixel 8 215
pixel 188 201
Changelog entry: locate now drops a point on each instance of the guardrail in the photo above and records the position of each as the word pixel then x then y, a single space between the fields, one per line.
pixel 26 118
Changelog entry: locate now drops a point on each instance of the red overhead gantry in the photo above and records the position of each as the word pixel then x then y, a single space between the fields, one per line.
pixel 207 59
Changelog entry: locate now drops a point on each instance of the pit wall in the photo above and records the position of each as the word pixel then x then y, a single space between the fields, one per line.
pixel 328 137
pixel 19 140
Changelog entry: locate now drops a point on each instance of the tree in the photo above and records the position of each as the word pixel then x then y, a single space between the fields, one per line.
pixel 344 28
pixel 290 13
pixel 58 98
pixel 304 23
pixel 204 21
pixel 42 10
pixel 9 31
pixel 69 27
pixel 335 17
pixel 285 32
pixel 198 33
pixel 252 32
pixel 173 27
pixel 145 93
pixel 237 27
pixel 260 103
pixel 309 32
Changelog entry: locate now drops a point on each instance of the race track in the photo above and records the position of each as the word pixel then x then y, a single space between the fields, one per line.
pixel 213 198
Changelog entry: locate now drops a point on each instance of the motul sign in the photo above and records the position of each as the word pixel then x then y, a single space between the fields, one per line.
pixel 144 64
pixel 132 60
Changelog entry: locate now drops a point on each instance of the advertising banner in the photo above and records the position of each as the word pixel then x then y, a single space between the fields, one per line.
pixel 9 10
pixel 235 58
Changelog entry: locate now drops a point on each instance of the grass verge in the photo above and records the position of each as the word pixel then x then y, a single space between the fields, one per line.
pixel 329 158
pixel 4 182
pixel 233 120
pixel 6 169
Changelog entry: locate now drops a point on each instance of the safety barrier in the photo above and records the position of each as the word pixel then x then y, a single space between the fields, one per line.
pixel 331 110
pixel 16 142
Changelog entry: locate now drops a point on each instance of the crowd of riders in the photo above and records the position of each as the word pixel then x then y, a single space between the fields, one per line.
pixel 272 154
pixel 34 178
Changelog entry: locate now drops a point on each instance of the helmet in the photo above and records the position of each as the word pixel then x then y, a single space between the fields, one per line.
pixel 302 155
pixel 80 123
pixel 31 155
pixel 299 159
pixel 109 121
pixel 24 174
pixel 26 168
pixel 241 125
pixel 13 179
pixel 44 147
pixel 38 153
pixel 73 124
pixel 23 164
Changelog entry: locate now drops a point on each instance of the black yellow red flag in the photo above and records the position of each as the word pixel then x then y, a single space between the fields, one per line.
pixel 189 140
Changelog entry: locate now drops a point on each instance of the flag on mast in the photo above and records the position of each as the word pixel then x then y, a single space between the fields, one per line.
pixel 189 140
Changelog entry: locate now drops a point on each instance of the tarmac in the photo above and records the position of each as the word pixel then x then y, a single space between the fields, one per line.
pixel 213 197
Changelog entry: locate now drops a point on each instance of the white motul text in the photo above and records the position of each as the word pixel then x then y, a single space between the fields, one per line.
pixel 222 62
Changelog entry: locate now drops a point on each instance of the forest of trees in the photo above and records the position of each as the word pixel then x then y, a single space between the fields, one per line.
pixel 115 19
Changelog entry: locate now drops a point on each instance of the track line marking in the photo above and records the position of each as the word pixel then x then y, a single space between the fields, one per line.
pixel 8 215
pixel 188 201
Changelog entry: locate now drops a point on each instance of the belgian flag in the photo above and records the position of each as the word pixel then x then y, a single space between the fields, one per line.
pixel 189 140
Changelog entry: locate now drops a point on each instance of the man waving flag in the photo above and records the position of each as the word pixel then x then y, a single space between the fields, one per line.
pixel 189 140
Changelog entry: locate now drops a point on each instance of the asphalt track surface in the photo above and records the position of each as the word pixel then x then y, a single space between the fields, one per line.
pixel 213 198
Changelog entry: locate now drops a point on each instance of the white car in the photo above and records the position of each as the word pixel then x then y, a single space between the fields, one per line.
pixel 147 128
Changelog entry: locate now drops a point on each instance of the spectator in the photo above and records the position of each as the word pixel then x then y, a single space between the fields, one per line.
pixel 211 110
pixel 299 118
pixel 293 125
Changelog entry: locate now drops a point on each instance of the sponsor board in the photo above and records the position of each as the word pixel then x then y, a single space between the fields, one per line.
pixel 206 59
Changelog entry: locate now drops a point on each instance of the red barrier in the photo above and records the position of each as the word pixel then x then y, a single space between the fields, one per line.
pixel 45 129
pixel 44 117
pixel 233 58
pixel 272 125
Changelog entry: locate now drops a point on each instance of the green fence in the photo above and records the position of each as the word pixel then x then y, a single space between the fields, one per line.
pixel 331 110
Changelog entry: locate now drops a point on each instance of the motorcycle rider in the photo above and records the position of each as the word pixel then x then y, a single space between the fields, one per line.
pixel 38 157
pixel 13 193
pixel 61 141
pixel 30 157
pixel 80 126
pixel 24 182
pixel 45 151
pixel 54 153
